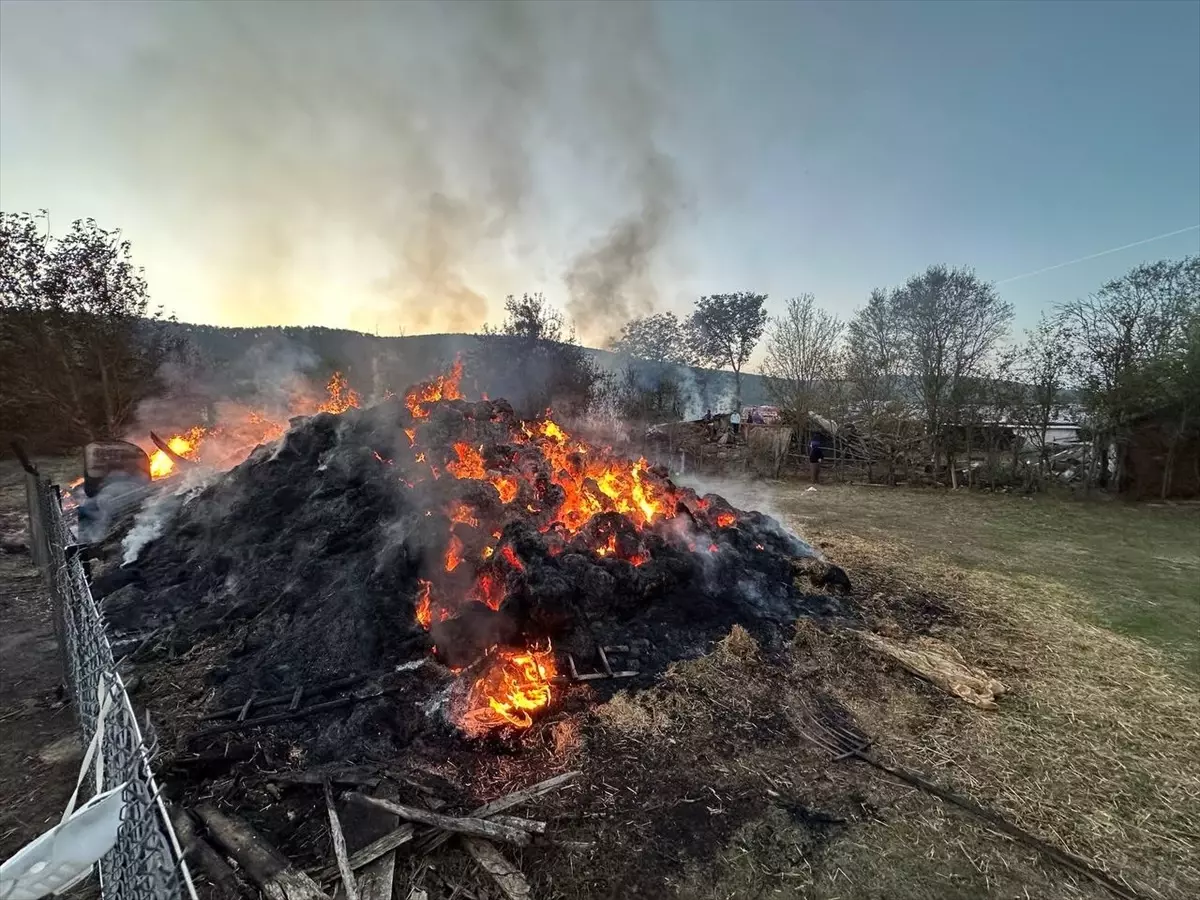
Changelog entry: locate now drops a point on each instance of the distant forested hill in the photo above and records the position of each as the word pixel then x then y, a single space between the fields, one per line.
pixel 235 359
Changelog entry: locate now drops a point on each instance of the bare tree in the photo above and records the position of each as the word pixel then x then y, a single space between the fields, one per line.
pixel 1042 365
pixel 871 367
pixel 949 322
pixel 724 329
pixel 802 357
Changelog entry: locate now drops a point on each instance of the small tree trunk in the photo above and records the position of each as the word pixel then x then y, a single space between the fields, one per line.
pixel 1172 448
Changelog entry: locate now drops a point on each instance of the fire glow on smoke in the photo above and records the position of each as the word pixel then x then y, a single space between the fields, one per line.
pixel 253 427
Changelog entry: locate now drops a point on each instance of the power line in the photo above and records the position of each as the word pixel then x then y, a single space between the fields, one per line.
pixel 1097 255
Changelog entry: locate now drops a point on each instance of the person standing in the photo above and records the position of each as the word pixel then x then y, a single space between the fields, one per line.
pixel 735 422
pixel 815 455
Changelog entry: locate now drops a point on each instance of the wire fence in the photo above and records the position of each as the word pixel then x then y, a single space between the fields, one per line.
pixel 146 862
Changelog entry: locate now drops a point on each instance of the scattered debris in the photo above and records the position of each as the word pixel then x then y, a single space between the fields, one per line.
pixel 266 866
pixel 942 665
pixel 507 876
pixel 349 885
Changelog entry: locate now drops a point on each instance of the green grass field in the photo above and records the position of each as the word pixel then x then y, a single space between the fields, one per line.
pixel 1132 568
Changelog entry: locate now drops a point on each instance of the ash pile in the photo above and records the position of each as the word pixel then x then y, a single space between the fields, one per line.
pixel 476 568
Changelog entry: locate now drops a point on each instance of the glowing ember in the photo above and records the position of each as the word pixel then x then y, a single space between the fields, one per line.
pixel 507 486
pixel 412 436
pixel 454 553
pixel 488 590
pixel 510 556
pixel 726 519
pixel 461 513
pixel 444 387
pixel 515 685
pixel 551 430
pixel 470 462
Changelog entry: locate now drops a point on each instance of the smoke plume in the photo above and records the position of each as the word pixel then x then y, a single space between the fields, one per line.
pixel 373 165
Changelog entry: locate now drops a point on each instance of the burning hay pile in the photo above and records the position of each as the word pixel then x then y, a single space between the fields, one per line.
pixel 437 526
pixel 432 574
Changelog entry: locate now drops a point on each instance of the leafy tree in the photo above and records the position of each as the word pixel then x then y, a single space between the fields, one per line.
pixel 540 366
pixel 79 348
pixel 532 318
pixel 724 330
pixel 659 338
pixel 802 356
pixel 1134 352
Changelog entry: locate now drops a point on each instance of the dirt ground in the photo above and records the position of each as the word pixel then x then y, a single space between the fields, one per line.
pixel 39 749
pixel 702 786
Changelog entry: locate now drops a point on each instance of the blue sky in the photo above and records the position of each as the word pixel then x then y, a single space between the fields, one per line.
pixel 277 164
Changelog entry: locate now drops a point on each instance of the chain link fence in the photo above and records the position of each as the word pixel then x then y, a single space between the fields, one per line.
pixel 146 862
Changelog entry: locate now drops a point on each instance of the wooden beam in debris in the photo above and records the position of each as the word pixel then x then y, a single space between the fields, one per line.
pixel 288 696
pixel 500 804
pixel 171 454
pixel 516 798
pixel 360 776
pixel 378 876
pixel 275 718
pixel 531 825
pixel 458 825
pixel 339 843
pixel 372 851
pixel 267 867
pixel 201 854
pixel 506 875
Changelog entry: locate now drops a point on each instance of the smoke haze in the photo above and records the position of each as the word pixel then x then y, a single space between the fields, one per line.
pixel 376 165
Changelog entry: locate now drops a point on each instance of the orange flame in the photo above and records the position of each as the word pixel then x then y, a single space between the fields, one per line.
pixel 725 519
pixel 593 482
pixel 185 445
pixel 341 396
pixel 444 387
pixel 515 685
pixel 424 604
